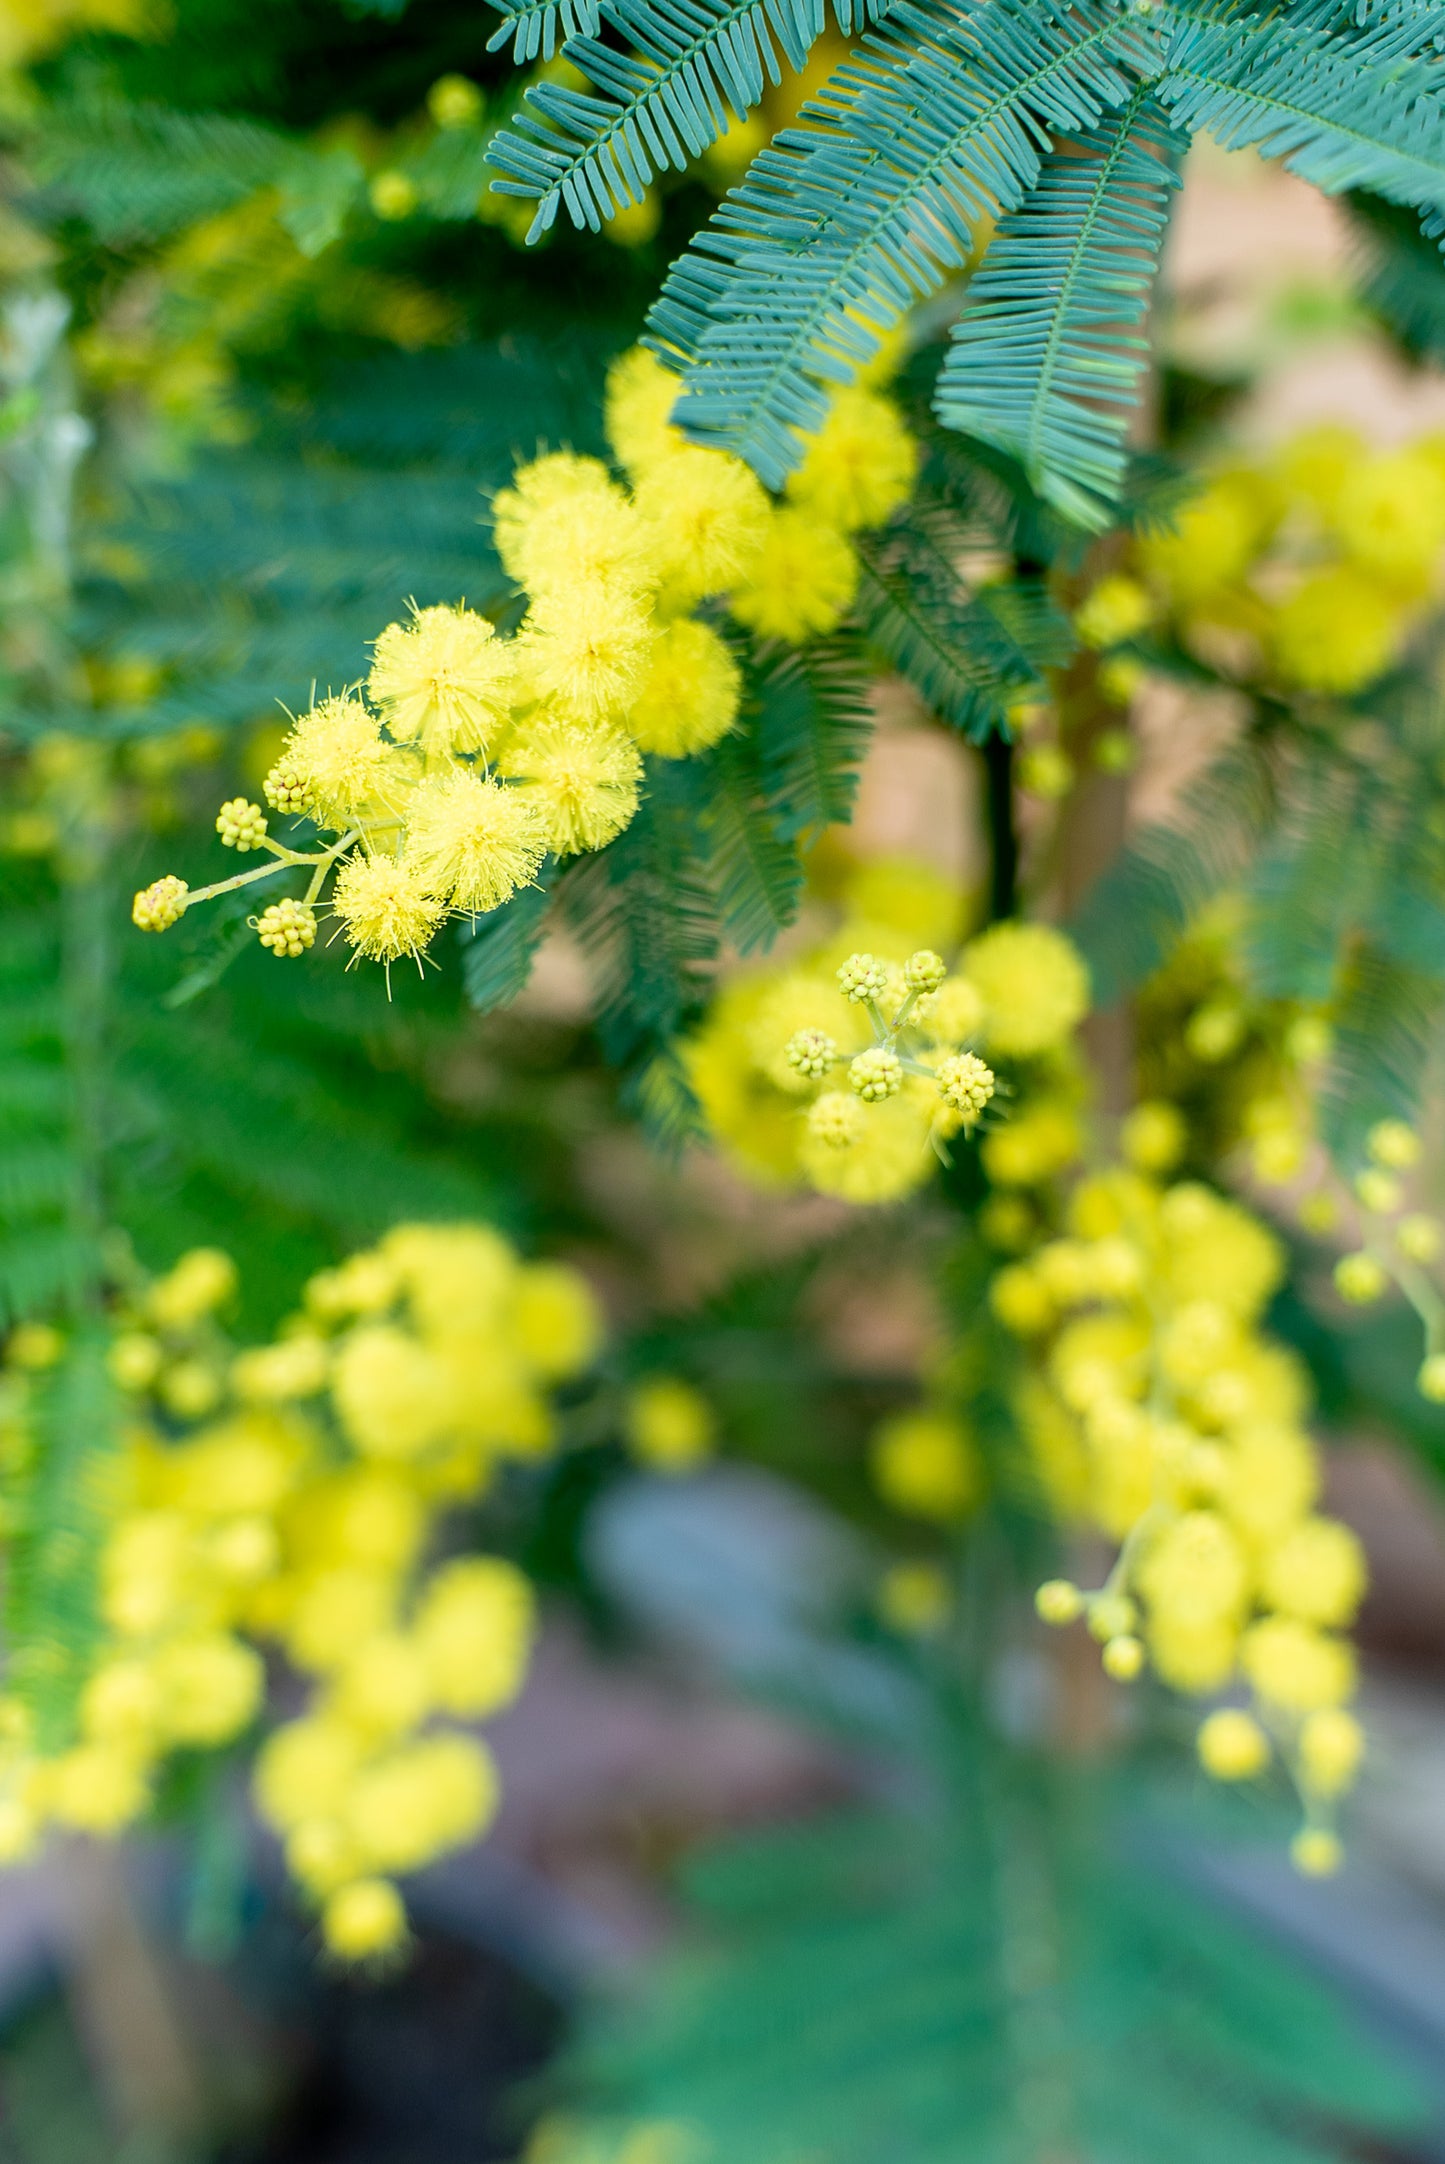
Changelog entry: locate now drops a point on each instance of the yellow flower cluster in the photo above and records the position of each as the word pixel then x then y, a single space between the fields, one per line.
pixel 1159 1412
pixel 1307 569
pixel 286 1496
pixel 848 1069
pixel 470 756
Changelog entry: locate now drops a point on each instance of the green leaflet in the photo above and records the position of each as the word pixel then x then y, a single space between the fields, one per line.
pixel 971 655
pixel 59 1506
pixel 498 950
pixel 996 1977
pixel 868 205
pixel 1047 358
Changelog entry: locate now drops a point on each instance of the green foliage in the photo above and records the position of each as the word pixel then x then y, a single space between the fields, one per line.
pixel 59 1513
pixel 995 1975
pixel 1046 358
pixel 972 654
pixel 1062 120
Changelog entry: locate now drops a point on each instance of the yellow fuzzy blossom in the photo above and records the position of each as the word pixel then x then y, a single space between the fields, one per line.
pixel 926 1465
pixel 442 680
pixel 853 1069
pixel 860 466
pixel 668 1425
pixel 471 752
pixel 292 1517
pixel 1316 565
pixel 804 576
pixel 1144 1361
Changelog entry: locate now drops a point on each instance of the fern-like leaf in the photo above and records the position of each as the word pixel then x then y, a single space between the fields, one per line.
pixel 532 25
pixel 1341 112
pixel 971 655
pixel 938 122
pixel 1046 360
pixel 656 106
pixel 813 725
pixel 498 950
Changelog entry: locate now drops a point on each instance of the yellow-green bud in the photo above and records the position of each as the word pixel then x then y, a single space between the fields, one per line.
pixel 286 790
pixel 241 824
pixel 876 1074
pixel 1316 1852
pixel 1331 1745
pixel 1111 1615
pixel 160 905
pixel 1379 1191
pixel 1393 1143
pixel 835 1120
pixel 863 977
pixel 1214 1032
pixel 1059 1601
pixel 924 971
pixel 393 195
pixel 1359 1279
pixel 1418 1237
pixel 287 927
pixel 811 1052
pixel 1123 1658
pixel 1430 1382
pixel 454 102
pixel 965 1083
pixel 1232 1746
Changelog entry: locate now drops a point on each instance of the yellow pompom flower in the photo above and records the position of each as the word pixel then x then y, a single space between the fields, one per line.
pixel 1034 985
pixel 1295 1667
pixel 1316 1852
pixel 559 478
pixel 386 909
pixel 801 583
pixel 955 1012
pixel 306 1769
pixel 580 781
pixel 708 516
pixel 389 1392
pixel 203 1280
pixel 471 841
pixel 1335 633
pixel 885 1158
pixel 473 1630
pixel 1390 515
pixel 668 1425
pixel 97 1788
pixel 1153 1136
pixel 210 1688
pixel 422 1800
pixel 860 465
pixel 925 1463
pixel 1115 610
pixel 637 413
pixel 1331 1746
pixel 915 1598
pixel 1213 540
pixel 1043 1139
pixel 442 681
pixel 364 1920
pixel 588 650
pixel 384 1688
pixel 556 1322
pixel 689 697
pixel 1394 1143
pixel 1316 1573
pixel 338 757
pixel 1232 1746
pixel 593 538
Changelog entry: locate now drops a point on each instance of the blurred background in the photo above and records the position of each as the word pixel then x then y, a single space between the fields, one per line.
pixel 796 1858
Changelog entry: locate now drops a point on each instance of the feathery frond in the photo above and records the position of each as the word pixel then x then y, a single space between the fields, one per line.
pixel 938 121
pixel 1047 357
